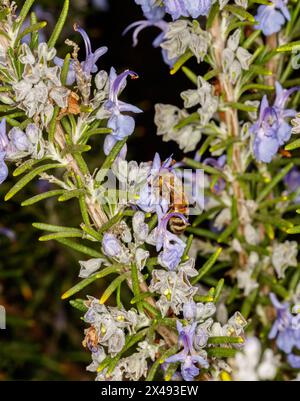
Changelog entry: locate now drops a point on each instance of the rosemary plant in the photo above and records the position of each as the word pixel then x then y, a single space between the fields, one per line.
pixel 213 295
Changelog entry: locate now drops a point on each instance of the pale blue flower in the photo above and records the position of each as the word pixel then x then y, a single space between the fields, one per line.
pixel 195 8
pixel 149 197
pixel 108 145
pixel 19 140
pixel 271 129
pixel 172 252
pixel 111 245
pixel 271 18
pixel 171 245
pixel 4 142
pixel 89 65
pixel 294 361
pixel 176 8
pixel 286 330
pixel 187 8
pixel 292 182
pixel 163 236
pixel 154 17
pixel 150 10
pixel 189 310
pixel 122 125
pixel 3 168
pixel 188 357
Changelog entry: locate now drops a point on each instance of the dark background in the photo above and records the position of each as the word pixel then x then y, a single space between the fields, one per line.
pixel 44 334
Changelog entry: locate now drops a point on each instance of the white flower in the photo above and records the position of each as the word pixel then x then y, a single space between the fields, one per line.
pixel 97 358
pixel 136 365
pixel 284 255
pixel 40 89
pixel 167 116
pixel 141 256
pixel 140 228
pixel 182 35
pixel 251 234
pixel 223 219
pixel 234 40
pixel 111 324
pixel 116 375
pixel 244 58
pixel 177 39
pixel 26 143
pixel 245 281
pixel 174 288
pixel 249 366
pixel 235 58
pixel 199 43
pixel 90 266
pixel 132 177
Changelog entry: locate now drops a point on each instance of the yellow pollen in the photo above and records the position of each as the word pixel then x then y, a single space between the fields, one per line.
pixel 230 331
pixel 168 294
pixel 225 377
pixel 120 318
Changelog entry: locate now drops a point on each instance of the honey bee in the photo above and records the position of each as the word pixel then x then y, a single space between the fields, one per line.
pixel 171 187
pixel 91 338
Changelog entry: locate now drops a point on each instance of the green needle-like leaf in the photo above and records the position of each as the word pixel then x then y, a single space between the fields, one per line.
pixel 65 69
pixel 228 231
pixel 239 12
pixel 181 61
pixel 80 248
pixel 67 195
pixel 207 266
pixel 293 145
pixel 40 197
pixel 30 29
pixel 29 177
pixel 60 24
pixel 190 74
pixel 79 304
pixel 112 287
pixel 55 229
pixel 63 234
pixel 24 11
pixel 218 290
pixel 265 192
pixel 225 340
pixel 84 283
pixel 110 159
pixel 219 352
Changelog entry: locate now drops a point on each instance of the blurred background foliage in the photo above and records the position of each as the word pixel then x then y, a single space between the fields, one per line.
pixel 43 336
